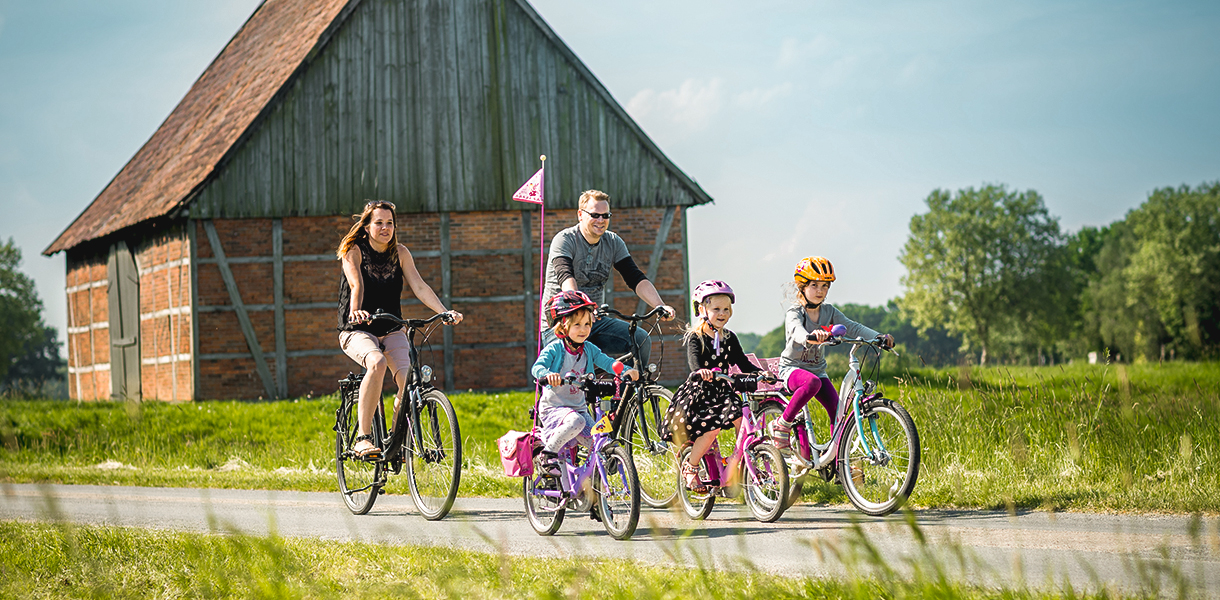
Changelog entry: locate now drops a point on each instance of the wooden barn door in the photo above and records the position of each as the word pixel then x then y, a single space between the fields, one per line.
pixel 124 295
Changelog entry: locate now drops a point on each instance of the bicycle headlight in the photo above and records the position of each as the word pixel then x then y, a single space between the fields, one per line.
pixel 426 372
pixel 652 367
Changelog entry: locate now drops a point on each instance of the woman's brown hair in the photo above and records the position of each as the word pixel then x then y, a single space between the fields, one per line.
pixel 359 229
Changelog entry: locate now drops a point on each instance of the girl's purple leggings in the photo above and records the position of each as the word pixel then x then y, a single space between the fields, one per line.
pixel 804 385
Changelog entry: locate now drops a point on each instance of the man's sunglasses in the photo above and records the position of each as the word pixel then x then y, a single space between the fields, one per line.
pixel 593 215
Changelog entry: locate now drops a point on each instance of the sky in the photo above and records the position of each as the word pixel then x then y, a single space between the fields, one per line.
pixel 819 127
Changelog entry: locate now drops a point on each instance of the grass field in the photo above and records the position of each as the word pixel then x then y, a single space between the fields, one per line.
pixel 1077 437
pixel 64 561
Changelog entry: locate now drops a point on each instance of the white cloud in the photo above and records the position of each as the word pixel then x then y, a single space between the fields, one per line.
pixel 692 104
pixel 759 97
pixel 794 52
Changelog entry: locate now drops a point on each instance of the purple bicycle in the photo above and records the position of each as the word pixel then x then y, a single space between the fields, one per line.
pixel 603 475
pixel 755 469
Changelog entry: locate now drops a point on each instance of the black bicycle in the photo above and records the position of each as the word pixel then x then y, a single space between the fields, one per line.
pixel 638 421
pixel 424 437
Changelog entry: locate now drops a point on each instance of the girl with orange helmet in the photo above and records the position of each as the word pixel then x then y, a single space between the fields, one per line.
pixel 807 323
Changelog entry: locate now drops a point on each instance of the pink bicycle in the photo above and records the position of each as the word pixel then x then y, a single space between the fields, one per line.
pixel 755 469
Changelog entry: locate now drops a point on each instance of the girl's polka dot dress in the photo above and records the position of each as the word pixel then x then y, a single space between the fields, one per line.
pixel 701 406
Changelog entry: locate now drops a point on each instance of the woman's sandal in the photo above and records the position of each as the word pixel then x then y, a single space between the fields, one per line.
pixel 690 476
pixel 370 453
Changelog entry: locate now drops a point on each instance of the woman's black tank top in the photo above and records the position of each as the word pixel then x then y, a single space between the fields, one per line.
pixel 382 280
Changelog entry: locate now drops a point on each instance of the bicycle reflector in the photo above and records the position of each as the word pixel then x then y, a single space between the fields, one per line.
pixel 426 372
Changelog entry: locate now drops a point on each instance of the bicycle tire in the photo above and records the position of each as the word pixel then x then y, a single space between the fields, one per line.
pixel 766 494
pixel 772 410
pixel 618 497
pixel 880 489
pixel 359 480
pixel 655 460
pixel 544 514
pixel 434 472
pixel 696 506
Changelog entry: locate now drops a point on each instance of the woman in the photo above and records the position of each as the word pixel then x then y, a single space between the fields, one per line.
pixel 374 267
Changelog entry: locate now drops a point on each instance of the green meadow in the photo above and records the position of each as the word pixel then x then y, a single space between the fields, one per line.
pixel 57 560
pixel 1141 437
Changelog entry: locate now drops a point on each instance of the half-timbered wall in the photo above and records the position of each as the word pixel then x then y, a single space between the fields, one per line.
pixel 482 263
pixel 164 264
pixel 88 327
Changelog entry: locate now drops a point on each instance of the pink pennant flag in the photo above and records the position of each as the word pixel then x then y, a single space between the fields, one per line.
pixel 532 190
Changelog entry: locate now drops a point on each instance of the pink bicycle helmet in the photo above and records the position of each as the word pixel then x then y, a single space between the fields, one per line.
pixel 565 303
pixel 711 287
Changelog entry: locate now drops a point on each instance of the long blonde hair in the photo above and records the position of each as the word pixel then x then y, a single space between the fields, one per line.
pixel 359 230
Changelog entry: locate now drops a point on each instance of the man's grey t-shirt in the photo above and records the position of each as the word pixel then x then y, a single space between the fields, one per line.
pixel 592 264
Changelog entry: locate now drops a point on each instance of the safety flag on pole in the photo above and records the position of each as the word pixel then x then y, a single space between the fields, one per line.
pixel 532 190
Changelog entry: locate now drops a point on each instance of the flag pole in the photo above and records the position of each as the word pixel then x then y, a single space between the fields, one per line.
pixel 541 251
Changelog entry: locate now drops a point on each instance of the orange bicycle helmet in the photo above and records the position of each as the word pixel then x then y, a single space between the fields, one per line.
pixel 813 268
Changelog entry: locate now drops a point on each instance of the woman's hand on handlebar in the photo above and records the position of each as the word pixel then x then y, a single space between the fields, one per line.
pixel 667 312
pixel 817 336
pixel 453 317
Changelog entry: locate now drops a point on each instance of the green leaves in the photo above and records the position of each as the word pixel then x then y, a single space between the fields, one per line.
pixel 20 308
pixel 985 263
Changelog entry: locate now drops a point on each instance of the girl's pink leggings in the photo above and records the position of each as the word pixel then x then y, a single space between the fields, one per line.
pixel 804 385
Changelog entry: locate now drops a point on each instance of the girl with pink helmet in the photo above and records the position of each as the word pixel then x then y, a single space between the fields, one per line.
pixel 703 406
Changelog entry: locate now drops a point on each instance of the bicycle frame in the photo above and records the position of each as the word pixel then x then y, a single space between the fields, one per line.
pixel 633 390
pixel 573 478
pixel 853 394
pixel 417 384
pixel 749 434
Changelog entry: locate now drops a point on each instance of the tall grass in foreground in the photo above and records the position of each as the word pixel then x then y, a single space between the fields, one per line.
pixel 1086 437
pixel 60 560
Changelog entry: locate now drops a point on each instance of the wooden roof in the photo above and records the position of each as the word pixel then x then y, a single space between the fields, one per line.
pixel 434 104
pixel 238 85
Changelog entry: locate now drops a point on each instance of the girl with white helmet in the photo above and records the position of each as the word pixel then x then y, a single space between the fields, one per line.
pixel 807 323
pixel 703 406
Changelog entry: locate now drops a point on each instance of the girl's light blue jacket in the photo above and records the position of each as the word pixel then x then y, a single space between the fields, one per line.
pixel 551 359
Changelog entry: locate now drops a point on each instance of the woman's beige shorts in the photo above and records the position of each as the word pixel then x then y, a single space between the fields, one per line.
pixel 358 345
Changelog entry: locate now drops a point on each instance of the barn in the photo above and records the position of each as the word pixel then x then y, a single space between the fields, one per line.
pixel 205 269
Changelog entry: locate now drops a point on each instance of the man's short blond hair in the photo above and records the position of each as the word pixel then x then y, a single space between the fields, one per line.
pixel 591 196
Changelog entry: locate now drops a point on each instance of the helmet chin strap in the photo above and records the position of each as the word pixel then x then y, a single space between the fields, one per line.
pixel 812 305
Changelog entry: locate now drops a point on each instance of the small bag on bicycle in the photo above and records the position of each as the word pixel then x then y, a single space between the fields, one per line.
pixel 517 453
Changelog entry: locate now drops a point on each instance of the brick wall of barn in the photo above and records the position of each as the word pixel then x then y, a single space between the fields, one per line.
pixel 163 264
pixel 88 327
pixel 489 275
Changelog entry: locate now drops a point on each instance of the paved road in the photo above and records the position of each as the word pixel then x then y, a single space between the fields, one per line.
pixel 1036 548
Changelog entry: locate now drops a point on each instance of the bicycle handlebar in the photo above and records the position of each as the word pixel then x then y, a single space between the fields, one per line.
pixel 875 343
pixel 413 323
pixel 605 309
pixel 743 382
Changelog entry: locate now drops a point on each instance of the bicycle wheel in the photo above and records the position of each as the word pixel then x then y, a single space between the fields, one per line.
pixel 879 479
pixel 435 470
pixel 655 460
pixel 771 411
pixel 696 505
pixel 545 513
pixel 359 480
pixel 618 496
pixel 766 489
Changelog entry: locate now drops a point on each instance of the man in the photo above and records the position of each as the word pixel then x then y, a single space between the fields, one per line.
pixel 581 258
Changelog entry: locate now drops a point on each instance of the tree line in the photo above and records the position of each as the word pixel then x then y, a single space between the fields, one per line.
pixel 29 349
pixel 992 277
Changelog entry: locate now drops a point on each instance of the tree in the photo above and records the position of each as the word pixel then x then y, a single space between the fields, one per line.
pixel 1157 281
pixel 983 263
pixel 29 350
